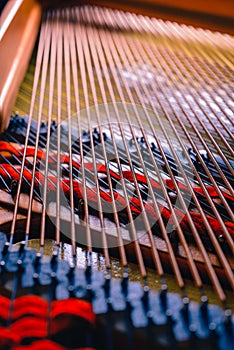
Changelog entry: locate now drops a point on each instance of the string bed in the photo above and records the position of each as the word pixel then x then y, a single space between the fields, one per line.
pixel 154 101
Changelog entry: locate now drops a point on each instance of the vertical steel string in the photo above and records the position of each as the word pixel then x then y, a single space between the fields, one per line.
pixel 93 86
pixel 40 53
pixel 81 53
pixel 191 222
pixel 191 68
pixel 73 53
pixel 59 65
pixel 226 265
pixel 67 63
pixel 109 51
pixel 227 207
pixel 131 223
pixel 18 273
pixel 40 112
pixel 52 65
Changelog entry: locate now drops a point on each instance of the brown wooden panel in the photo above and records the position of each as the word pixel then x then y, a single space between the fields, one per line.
pixel 211 14
pixel 19 27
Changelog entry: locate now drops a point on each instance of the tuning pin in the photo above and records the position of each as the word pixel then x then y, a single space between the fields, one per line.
pixel 170 319
pixel 19 263
pixel 145 298
pixel 107 290
pixel 71 273
pixel 71 289
pixel 228 320
pixel 124 283
pixel 5 249
pixel 204 307
pixel 170 329
pixel 22 247
pixel 88 273
pixel 2 268
pixel 193 337
pixel 54 282
pixel 37 263
pixel 36 279
pixel 4 253
pixel 89 293
pixel 213 337
pixel 106 285
pixel 163 296
pixel 185 309
pixel 71 278
pixel 20 269
pixel 54 261
pixel 37 260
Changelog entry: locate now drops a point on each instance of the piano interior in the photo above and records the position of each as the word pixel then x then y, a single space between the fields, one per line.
pixel 116 176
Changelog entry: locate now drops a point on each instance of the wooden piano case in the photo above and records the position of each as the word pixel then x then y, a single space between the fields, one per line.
pixel 138 318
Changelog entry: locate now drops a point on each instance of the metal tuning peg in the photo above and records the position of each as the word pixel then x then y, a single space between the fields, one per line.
pixel 4 251
pixel 204 309
pixel 193 337
pixel 54 262
pixel 145 298
pixel 185 310
pixel 107 291
pixel 53 274
pixel 88 273
pixel 228 321
pixel 37 265
pixel 163 296
pixel 214 336
pixel 71 280
pixel 124 283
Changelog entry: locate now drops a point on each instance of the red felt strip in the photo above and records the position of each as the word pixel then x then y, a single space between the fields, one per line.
pixel 45 345
pixel 120 201
pixel 101 168
pixel 6 169
pixel 8 338
pixel 30 327
pixel 30 305
pixel 4 309
pixel 72 306
pixel 40 345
